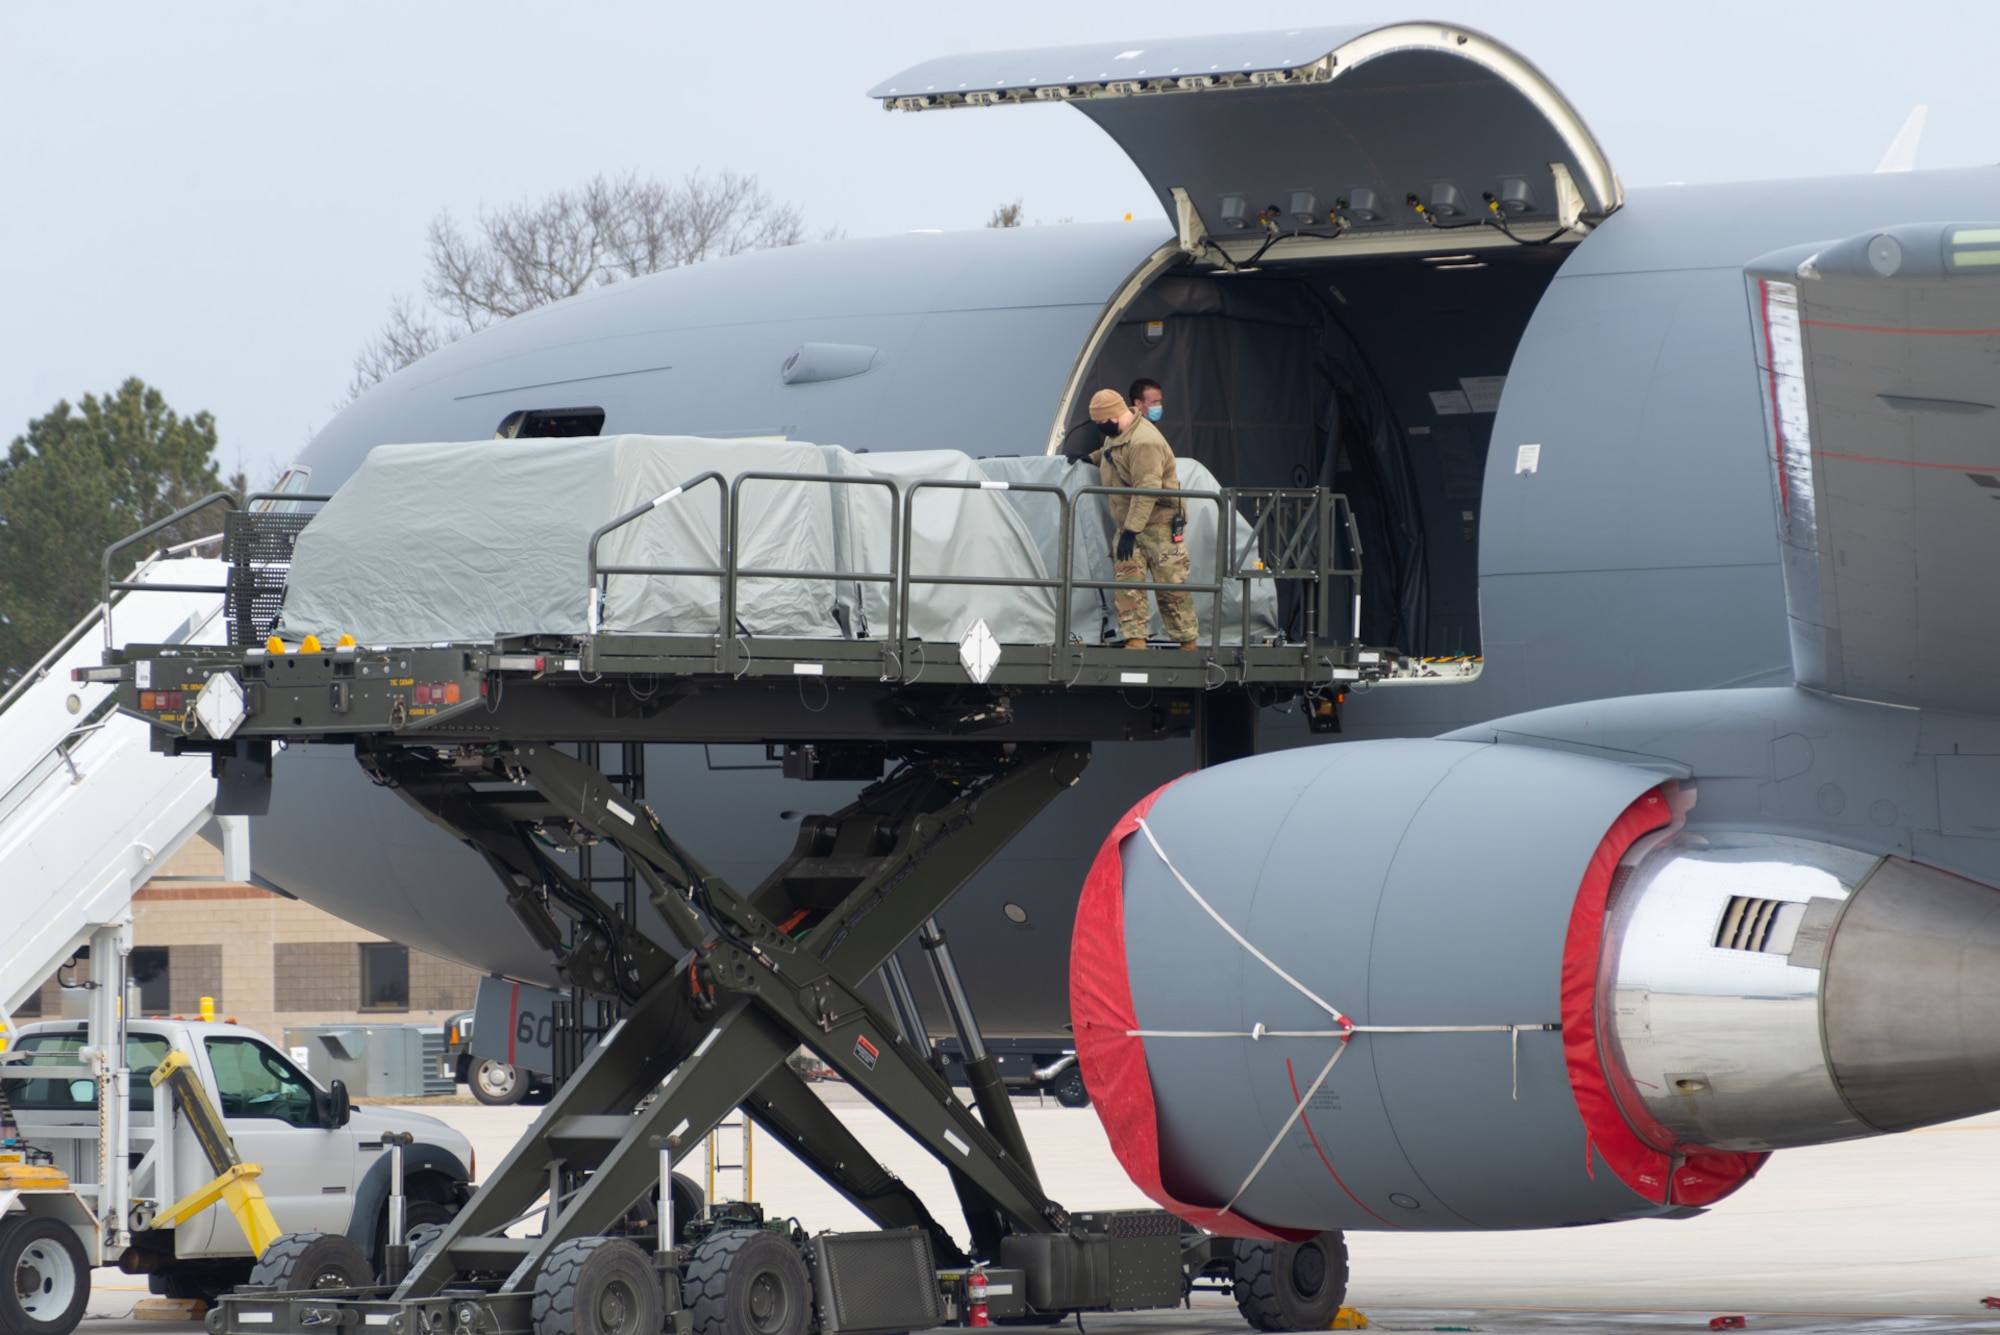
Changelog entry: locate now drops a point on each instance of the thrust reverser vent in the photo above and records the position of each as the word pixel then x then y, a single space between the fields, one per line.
pixel 1770 925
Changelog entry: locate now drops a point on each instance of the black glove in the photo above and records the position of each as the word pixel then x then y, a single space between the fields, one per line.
pixel 1073 459
pixel 1126 539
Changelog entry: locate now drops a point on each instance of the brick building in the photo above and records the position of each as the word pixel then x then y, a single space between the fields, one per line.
pixel 267 960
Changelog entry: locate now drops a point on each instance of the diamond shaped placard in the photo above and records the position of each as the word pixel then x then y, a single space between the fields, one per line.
pixel 220 707
pixel 979 651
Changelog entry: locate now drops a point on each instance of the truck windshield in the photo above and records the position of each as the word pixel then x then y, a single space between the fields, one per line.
pixel 65 1093
pixel 254 1081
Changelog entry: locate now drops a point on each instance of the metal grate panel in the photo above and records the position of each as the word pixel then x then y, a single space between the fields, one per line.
pixel 437 1079
pixel 258 546
pixel 876 1282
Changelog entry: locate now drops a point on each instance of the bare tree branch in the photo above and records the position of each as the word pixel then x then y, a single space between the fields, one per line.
pixel 531 253
pixel 406 337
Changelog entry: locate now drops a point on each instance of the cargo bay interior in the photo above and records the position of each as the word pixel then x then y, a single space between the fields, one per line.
pixel 1375 375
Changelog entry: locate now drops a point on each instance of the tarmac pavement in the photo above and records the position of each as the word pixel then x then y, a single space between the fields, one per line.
pixel 1898 1233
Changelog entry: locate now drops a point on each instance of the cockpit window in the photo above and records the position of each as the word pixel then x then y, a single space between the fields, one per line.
pixel 530 423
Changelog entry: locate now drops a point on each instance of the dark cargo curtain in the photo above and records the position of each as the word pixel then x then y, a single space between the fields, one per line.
pixel 1265 387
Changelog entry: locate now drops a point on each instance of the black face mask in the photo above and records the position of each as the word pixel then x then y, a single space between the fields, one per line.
pixel 1110 429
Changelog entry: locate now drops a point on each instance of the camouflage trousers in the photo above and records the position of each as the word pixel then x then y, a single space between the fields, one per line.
pixel 1158 558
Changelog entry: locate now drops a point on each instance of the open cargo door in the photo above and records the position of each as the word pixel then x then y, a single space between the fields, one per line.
pixel 1314 132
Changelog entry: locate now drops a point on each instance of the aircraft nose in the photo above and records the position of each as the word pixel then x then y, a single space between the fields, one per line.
pixel 1911 1001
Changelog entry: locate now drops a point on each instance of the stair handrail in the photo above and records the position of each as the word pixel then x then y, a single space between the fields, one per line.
pixel 108 586
pixel 229 498
pixel 42 664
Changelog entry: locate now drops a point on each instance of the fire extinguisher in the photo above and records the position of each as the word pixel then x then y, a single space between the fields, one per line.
pixel 975 1296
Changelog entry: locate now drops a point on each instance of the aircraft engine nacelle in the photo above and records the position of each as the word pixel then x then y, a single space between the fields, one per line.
pixel 1441 985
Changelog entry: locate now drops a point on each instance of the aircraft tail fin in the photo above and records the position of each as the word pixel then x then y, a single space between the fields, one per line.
pixel 1902 154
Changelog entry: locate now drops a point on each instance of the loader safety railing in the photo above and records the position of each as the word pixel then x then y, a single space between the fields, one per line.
pixel 109 586
pixel 728 569
pixel 1301 538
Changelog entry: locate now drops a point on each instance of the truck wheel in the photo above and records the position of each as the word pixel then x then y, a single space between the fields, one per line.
pixel 44 1276
pixel 746 1281
pixel 598 1286
pixel 1291 1285
pixel 497 1084
pixel 300 1261
pixel 1069 1089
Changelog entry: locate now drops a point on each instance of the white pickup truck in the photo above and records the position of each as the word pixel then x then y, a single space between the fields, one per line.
pixel 323 1164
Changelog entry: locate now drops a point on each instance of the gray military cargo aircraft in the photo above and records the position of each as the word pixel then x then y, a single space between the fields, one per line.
pixel 1679 495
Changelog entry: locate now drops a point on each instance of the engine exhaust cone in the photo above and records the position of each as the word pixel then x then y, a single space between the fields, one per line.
pixel 1912 998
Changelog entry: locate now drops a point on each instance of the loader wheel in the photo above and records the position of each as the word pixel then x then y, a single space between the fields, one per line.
pixel 44 1276
pixel 745 1281
pixel 598 1286
pixel 300 1261
pixel 1291 1285
pixel 1070 1091
pixel 497 1084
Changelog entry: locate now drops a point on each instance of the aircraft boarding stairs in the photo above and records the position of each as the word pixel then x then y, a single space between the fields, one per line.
pixel 88 809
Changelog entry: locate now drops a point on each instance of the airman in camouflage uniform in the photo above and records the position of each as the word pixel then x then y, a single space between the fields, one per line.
pixel 1149 545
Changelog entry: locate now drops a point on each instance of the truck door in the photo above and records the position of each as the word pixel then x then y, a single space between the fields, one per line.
pixel 268 1107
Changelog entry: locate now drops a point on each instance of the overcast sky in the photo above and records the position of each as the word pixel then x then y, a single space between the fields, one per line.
pixel 222 198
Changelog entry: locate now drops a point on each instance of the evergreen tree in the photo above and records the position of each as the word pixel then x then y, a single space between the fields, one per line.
pixel 82 477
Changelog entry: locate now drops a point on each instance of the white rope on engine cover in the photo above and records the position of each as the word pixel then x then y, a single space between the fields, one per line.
pixel 1346 1030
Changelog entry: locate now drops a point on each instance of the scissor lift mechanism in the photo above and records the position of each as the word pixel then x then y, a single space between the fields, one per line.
pixel 473 736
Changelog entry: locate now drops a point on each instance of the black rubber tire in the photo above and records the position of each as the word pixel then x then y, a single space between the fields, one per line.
pixel 1291 1285
pixel 1070 1090
pixel 497 1084
pixel 598 1286
pixel 300 1261
pixel 428 1199
pixel 689 1202
pixel 746 1281
pixel 44 1276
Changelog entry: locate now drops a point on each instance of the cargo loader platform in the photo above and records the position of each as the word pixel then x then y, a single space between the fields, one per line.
pixel 961 744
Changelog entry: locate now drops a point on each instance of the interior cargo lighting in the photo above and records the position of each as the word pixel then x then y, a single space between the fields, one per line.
pixel 1235 211
pixel 1517 196
pixel 168 702
pixel 1363 205
pixel 1446 201
pixel 1305 207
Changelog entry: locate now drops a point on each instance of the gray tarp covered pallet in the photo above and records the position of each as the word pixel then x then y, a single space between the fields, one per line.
pixel 474 540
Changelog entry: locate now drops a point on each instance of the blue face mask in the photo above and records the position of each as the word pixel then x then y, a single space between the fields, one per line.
pixel 1154 413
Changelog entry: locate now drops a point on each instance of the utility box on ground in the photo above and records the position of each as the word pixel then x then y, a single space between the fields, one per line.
pixel 375 1060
